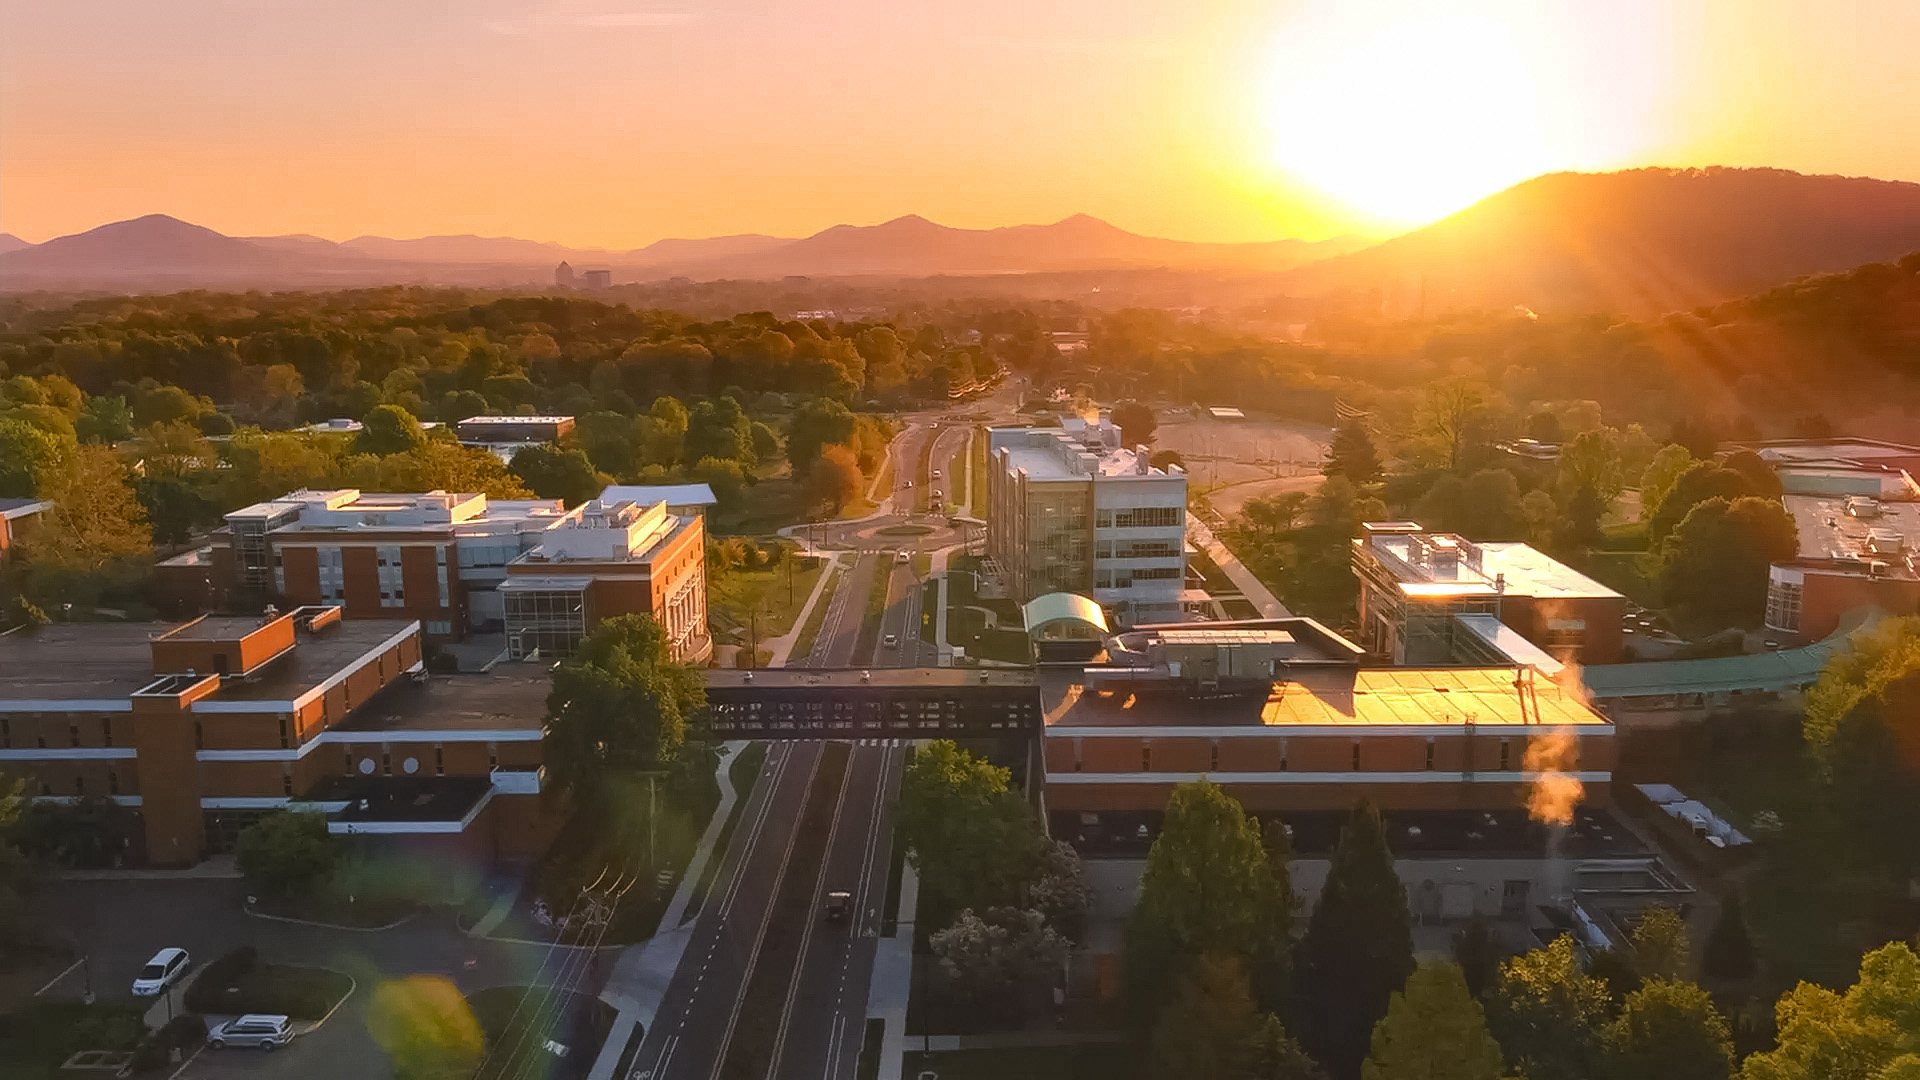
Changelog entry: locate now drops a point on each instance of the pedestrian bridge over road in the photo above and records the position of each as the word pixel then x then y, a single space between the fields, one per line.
pixel 858 703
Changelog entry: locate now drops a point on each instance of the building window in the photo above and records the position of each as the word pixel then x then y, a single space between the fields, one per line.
pixel 439 760
pixel 1506 755
pixel 1429 754
pixel 440 570
pixel 393 591
pixel 6 731
pixel 80 786
pixel 40 739
pixel 113 782
pixel 73 732
pixel 440 627
pixel 1146 757
pixel 493 756
pixel 286 782
pixel 1213 758
pixel 106 731
pixel 1356 755
pixel 199 736
pixel 1783 605
pixel 386 763
pixel 283 731
pixel 348 767
pixel 1283 755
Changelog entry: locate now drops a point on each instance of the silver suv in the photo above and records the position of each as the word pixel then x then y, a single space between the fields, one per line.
pixel 265 1031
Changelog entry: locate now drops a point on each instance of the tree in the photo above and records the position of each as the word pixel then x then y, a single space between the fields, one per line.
pixel 426 1028
pixel 973 842
pixel 1207 1030
pixel 1591 461
pixel 620 705
pixel 1661 949
pixel 388 429
pixel 834 480
pixel 1477 954
pixel 1274 1054
pixel 1702 481
pixel 1358 948
pixel 554 473
pixel 1351 453
pixel 1136 423
pixel 167 405
pixel 1762 481
pixel 818 423
pixel 718 429
pixel 458 405
pixel 28 457
pixel 1433 1030
pixel 766 443
pixel 1844 1036
pixel 1549 1014
pixel 96 527
pixel 1209 881
pixel 996 958
pixel 1452 415
pixel 436 463
pixel 287 853
pixel 1670 1030
pixel 1729 950
pixel 1714 566
pixel 1061 892
pixel 664 439
pixel 105 420
pixel 1580 525
pixel 1662 473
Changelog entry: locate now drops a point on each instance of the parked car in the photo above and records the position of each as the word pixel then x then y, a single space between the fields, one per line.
pixel 162 971
pixel 838 904
pixel 890 641
pixel 263 1030
pixel 936 474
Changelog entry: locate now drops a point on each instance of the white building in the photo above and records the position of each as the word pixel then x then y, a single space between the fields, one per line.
pixel 1069 509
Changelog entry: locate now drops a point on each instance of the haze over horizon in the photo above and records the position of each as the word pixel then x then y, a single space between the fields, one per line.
pixel 615 123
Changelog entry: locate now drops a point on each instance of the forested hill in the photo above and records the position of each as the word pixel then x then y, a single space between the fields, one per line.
pixel 1636 243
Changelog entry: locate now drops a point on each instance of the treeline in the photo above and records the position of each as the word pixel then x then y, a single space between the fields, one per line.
pixel 1223 988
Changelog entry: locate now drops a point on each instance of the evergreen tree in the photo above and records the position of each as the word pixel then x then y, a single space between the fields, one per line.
pixel 1273 1054
pixel 1433 1030
pixel 1211 886
pixel 1729 950
pixel 1351 454
pixel 1477 954
pixel 1207 1031
pixel 1358 948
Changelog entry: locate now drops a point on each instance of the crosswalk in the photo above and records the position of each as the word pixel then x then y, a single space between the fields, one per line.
pixel 880 742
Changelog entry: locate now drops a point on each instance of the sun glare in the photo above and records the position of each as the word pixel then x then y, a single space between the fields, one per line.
pixel 1408 122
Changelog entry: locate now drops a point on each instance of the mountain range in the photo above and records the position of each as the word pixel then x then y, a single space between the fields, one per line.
pixel 157 252
pixel 1636 243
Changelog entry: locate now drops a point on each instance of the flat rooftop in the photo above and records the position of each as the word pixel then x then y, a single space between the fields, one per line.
pixel 512 695
pixel 1478 569
pixel 314 659
pixel 1853 533
pixel 885 678
pixel 77 661
pixel 216 628
pixel 1370 697
pixel 401 798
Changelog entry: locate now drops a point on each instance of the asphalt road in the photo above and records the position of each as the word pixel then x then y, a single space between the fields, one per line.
pixel 701 1007
pixel 827 1008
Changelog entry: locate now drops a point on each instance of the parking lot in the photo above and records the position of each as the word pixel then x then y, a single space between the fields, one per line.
pixel 123 923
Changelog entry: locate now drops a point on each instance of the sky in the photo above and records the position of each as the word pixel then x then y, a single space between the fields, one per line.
pixel 613 123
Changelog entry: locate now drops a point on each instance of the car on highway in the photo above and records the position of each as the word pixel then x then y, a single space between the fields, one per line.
pixel 265 1030
pixel 909 483
pixel 839 902
pixel 902 557
pixel 937 496
pixel 936 474
pixel 891 641
pixel 162 971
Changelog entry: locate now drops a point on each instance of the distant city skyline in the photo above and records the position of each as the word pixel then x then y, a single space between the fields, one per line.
pixel 614 123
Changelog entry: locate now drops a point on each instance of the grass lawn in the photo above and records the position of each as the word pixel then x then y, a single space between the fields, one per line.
pixel 765 508
pixel 1621 571
pixel 743 773
pixel 803 644
pixel 302 993
pixel 518 1021
pixel 1085 1061
pixel 876 609
pixel 777 593
pixel 967 624
pixel 37 1037
pixel 929 609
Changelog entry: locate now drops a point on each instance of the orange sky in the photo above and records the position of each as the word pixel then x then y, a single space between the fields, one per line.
pixel 617 122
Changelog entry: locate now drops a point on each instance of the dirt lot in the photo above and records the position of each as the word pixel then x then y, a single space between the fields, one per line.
pixel 1236 460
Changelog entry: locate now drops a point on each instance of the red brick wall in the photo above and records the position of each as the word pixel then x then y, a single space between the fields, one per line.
pixel 1825 598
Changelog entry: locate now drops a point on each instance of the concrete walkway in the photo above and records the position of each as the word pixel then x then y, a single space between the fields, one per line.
pixel 213 867
pixel 1251 587
pixel 781 648
pixel 941 647
pixel 640 975
pixel 892 984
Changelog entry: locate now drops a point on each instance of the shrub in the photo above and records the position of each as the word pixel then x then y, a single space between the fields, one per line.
pixel 203 996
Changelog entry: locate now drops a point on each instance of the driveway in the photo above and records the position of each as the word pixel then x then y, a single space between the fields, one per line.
pixel 120 924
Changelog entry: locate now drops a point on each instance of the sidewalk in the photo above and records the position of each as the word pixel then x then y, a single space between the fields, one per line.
pixel 213 868
pixel 1251 587
pixel 892 984
pixel 941 648
pixel 640 975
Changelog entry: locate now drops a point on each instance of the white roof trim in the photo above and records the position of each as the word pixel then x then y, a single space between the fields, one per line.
pixel 1436 776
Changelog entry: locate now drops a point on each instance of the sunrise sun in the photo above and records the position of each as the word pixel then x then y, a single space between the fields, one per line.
pixel 1411 121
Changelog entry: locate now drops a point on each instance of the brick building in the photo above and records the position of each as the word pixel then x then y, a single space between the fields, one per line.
pixel 201 727
pixel 1414 584
pixel 1280 712
pixel 1856 552
pixel 605 559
